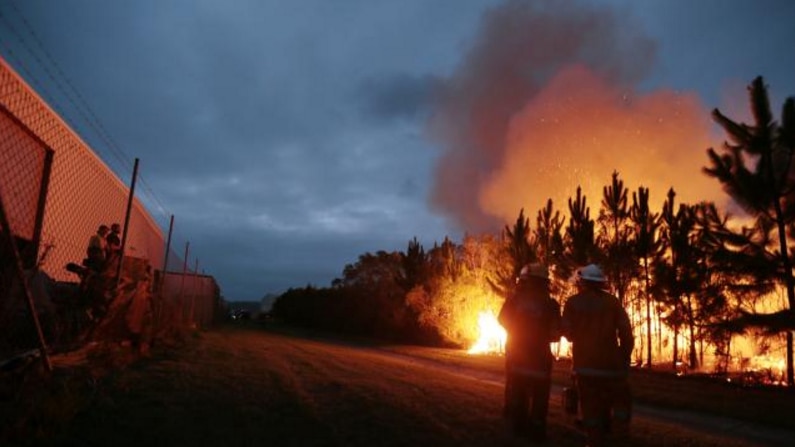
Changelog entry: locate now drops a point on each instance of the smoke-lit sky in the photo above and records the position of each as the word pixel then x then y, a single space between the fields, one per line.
pixel 289 137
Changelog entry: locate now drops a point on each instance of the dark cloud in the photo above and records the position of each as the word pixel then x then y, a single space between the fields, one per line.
pixel 398 96
pixel 257 261
pixel 289 137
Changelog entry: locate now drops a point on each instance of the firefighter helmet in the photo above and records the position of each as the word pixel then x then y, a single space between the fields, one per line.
pixel 536 270
pixel 590 272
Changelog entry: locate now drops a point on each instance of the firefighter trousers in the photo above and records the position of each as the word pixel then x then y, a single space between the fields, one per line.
pixel 528 405
pixel 606 406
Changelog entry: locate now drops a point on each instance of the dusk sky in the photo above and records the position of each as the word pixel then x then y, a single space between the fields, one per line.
pixel 289 137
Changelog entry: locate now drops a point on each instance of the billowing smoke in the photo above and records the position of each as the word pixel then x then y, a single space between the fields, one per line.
pixel 546 100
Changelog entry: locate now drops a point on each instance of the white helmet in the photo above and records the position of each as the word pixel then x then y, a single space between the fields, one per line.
pixel 537 270
pixel 590 272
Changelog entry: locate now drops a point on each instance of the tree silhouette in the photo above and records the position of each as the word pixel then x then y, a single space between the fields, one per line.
pixel 580 248
pixel 547 234
pixel 442 259
pixel 756 170
pixel 614 237
pixel 548 241
pixel 519 246
pixel 677 272
pixel 372 284
pixel 647 248
pixel 414 265
pixel 728 275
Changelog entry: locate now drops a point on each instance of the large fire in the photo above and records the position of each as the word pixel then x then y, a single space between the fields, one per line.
pixel 521 121
pixel 491 336
pixel 762 369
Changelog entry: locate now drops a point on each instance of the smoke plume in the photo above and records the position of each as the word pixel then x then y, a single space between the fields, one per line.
pixel 546 100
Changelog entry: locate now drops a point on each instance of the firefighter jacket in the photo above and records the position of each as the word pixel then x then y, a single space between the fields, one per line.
pixel 599 329
pixel 532 320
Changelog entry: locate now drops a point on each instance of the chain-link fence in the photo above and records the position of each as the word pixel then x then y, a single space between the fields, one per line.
pixel 187 299
pixel 57 192
pixel 83 192
pixel 24 167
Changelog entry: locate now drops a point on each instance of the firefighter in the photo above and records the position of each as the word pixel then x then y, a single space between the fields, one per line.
pixel 531 319
pixel 599 329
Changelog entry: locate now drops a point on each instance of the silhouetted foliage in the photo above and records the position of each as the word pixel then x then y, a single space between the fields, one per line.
pixel 519 247
pixel 756 169
pixel 678 275
pixel 414 266
pixel 548 242
pixel 519 252
pixel 613 238
pixel 646 243
pixel 579 244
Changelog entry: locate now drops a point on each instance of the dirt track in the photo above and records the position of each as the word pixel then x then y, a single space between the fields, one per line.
pixel 250 387
pixel 728 428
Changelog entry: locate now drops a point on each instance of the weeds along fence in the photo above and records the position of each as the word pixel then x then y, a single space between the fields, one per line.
pixel 56 192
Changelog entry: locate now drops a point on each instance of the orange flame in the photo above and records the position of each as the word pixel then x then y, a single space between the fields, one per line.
pixel 561 348
pixel 491 336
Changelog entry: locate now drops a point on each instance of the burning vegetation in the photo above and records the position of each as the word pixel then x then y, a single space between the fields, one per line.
pixel 697 285
pixel 545 113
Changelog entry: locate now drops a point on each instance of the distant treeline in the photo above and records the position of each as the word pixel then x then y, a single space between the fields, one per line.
pixel 428 298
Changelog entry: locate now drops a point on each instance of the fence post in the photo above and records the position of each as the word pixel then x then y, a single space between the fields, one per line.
pixel 23 282
pixel 158 307
pixel 127 220
pixel 182 285
pixel 42 203
pixel 193 294
pixel 168 246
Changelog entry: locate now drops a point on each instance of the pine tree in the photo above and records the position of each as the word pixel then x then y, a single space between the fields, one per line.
pixel 548 240
pixel 547 234
pixel 613 238
pixel 677 276
pixel 518 252
pixel 413 265
pixel 729 273
pixel 647 248
pixel 580 247
pixel 519 246
pixel 757 171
